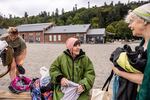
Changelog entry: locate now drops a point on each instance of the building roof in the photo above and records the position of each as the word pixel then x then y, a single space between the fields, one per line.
pixel 69 29
pixel 2 31
pixel 96 31
pixel 33 27
pixel 110 33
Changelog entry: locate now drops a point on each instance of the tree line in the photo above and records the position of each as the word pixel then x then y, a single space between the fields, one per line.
pixel 109 16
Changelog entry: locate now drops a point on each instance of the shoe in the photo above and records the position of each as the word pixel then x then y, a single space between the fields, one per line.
pixel 21 70
pixel 11 89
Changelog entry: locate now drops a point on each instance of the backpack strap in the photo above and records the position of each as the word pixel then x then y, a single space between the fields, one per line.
pixel 4 73
pixel 107 82
pixel 7 58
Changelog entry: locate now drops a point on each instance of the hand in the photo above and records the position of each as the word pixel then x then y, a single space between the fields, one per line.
pixel 116 70
pixel 80 89
pixel 64 82
pixel 6 48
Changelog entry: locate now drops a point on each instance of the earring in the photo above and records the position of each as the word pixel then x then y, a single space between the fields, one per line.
pixel 145 23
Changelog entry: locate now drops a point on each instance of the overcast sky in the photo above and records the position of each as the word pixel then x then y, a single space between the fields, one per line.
pixel 34 7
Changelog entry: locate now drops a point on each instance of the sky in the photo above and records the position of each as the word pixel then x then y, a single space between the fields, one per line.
pixel 34 7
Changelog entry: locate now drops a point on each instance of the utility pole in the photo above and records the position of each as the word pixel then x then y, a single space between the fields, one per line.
pixel 88 4
pixel 76 7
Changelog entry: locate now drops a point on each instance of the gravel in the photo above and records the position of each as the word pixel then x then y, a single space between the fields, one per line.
pixel 39 55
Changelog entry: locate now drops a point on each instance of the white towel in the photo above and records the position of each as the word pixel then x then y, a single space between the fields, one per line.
pixel 3 45
pixel 70 91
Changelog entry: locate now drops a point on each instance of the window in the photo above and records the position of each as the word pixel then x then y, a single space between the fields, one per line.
pixel 54 37
pixel 59 37
pixel 30 34
pixel 38 34
pixel 50 37
pixel 37 39
pixel 101 38
pixel 31 39
pixel 77 34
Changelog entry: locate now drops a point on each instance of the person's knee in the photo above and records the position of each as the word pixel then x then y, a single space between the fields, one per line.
pixel 13 67
pixel 20 60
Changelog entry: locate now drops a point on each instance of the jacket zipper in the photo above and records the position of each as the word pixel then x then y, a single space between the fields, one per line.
pixel 73 71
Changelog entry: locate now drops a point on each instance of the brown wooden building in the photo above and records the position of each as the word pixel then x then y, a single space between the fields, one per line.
pixel 59 34
pixel 96 36
pixel 49 33
pixel 34 32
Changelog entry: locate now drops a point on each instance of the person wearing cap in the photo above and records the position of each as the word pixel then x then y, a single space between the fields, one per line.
pixel 19 49
pixel 139 23
pixel 72 65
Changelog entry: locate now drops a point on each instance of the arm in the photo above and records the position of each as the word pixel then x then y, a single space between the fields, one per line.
pixel 2 37
pixel 89 75
pixel 55 71
pixel 133 77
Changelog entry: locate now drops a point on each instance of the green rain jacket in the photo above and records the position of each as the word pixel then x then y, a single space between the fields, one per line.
pixel 79 70
pixel 144 92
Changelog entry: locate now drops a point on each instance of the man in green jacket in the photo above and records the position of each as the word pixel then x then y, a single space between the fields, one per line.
pixel 72 65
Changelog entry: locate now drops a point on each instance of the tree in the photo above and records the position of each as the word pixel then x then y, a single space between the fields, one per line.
pixel 100 17
pixel 111 31
pixel 53 14
pixel 76 7
pixel 69 20
pixel 95 22
pixel 56 12
pixel 122 30
pixel 110 28
pixel 10 16
pixel 43 14
pixel 60 22
pixel 105 4
pixel 111 4
pixel 62 12
pixel 88 4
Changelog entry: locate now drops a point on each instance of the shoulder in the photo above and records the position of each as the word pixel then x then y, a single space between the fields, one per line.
pixel 21 39
pixel 4 36
pixel 83 55
pixel 62 56
pixel 86 59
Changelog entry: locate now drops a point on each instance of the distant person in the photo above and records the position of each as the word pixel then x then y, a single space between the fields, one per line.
pixel 72 65
pixel 19 49
pixel 139 23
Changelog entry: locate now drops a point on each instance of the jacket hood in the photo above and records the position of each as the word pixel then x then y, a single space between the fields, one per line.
pixel 82 53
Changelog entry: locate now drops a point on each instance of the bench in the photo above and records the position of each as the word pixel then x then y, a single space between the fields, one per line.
pixel 6 95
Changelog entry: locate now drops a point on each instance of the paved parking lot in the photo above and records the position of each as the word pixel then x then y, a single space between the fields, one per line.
pixel 44 54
